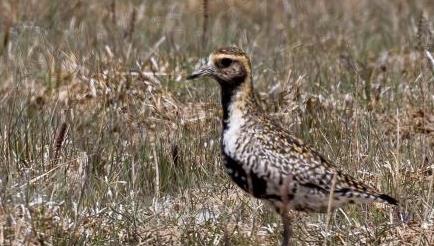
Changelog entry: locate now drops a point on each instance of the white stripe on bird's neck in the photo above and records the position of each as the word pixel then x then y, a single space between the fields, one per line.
pixel 237 110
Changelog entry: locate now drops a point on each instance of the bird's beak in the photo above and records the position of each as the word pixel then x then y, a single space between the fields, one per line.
pixel 202 71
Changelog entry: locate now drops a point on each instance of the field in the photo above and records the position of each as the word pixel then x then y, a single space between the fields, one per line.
pixel 103 142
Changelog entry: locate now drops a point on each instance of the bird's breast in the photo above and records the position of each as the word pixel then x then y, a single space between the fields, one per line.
pixel 232 134
pixel 245 178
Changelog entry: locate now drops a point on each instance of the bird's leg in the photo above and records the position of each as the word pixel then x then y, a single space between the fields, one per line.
pixel 284 213
pixel 287 228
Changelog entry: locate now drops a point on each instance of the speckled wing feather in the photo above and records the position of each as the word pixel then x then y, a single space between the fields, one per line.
pixel 310 171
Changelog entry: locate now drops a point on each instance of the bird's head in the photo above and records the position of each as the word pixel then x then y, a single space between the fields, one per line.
pixel 230 66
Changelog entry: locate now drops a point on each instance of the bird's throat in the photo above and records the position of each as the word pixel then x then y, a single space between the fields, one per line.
pixel 236 101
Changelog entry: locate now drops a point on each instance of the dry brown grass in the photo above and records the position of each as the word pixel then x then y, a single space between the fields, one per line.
pixel 92 107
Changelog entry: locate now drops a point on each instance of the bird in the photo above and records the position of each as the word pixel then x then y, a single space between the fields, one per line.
pixel 266 160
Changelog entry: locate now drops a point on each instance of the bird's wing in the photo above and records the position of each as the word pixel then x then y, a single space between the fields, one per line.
pixel 310 169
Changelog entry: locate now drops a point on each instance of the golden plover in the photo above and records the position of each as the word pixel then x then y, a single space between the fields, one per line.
pixel 266 160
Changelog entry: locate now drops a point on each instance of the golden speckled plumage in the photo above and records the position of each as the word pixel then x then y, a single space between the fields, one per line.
pixel 266 160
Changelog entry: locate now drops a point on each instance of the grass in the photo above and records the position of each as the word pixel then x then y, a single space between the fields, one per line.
pixel 103 144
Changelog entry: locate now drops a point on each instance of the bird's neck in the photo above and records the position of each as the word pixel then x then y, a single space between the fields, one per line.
pixel 237 102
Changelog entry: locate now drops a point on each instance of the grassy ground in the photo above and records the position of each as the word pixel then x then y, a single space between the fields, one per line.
pixel 103 144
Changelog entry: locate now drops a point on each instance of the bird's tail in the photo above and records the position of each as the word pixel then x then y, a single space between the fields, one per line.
pixel 386 199
pixel 366 196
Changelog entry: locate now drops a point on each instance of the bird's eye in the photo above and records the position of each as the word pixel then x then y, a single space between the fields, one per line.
pixel 225 62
